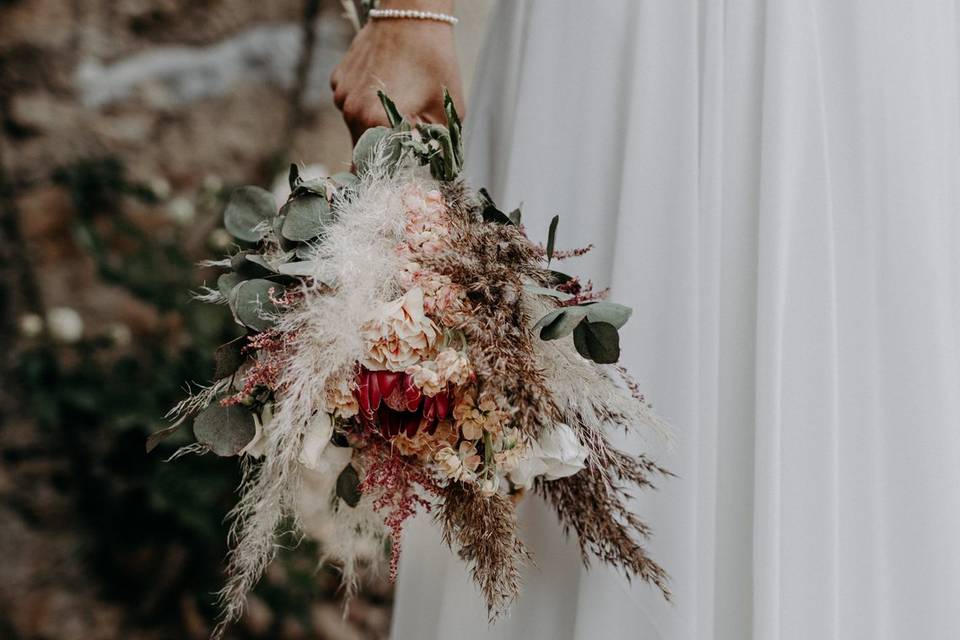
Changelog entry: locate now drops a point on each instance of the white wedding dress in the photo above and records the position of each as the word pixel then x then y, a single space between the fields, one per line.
pixel 773 186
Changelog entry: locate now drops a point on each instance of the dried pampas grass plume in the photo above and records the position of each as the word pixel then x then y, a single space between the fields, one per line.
pixel 354 271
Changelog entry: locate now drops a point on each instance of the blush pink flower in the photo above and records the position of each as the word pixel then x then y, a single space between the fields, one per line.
pixel 441 298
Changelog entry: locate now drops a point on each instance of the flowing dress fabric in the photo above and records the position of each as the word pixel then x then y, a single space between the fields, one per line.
pixel 773 187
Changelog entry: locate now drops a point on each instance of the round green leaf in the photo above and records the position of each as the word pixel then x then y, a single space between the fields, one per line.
pixel 366 147
pixel 251 303
pixel 609 312
pixel 299 268
pixel 348 486
pixel 247 208
pixel 345 179
pixel 225 430
pixel 597 341
pixel 311 186
pixel 226 282
pixel 304 251
pixel 305 217
pixel 560 322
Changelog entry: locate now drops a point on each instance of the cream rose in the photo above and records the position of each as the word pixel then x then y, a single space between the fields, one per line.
pixel 556 454
pixel 400 336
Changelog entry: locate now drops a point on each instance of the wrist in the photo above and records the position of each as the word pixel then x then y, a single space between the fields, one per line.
pixel 440 6
pixel 421 32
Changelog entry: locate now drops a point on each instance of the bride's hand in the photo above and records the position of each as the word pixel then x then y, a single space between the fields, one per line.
pixel 411 60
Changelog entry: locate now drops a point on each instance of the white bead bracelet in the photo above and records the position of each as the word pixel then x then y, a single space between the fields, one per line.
pixel 380 14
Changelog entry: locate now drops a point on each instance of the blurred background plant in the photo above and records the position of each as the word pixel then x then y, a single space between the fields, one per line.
pixel 125 123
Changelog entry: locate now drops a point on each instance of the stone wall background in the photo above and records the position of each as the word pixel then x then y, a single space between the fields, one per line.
pixel 123 123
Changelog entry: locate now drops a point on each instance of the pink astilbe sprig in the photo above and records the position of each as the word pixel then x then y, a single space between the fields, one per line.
pixel 582 293
pixel 266 371
pixel 402 489
pixel 564 254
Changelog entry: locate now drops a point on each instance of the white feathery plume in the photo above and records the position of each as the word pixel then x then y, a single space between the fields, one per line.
pixel 358 258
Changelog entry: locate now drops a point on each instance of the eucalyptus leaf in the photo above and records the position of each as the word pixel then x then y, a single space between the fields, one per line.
pixel 559 277
pixel 303 251
pixel 228 358
pixel 294 176
pixel 312 186
pixel 348 486
pixel 224 430
pixel 226 282
pixel 366 148
pixel 560 322
pixel 455 127
pixel 260 261
pixel 609 312
pixel 490 211
pixel 246 268
pixel 305 217
pixel 597 341
pixel 299 268
pixel 251 303
pixel 345 180
pixel 515 217
pixel 544 291
pixel 246 210
pixel 552 237
pixel 393 114
pixel 155 438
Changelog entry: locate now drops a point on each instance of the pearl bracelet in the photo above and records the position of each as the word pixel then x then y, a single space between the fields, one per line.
pixel 412 14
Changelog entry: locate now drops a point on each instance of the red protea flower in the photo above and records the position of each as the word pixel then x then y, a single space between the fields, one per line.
pixel 391 403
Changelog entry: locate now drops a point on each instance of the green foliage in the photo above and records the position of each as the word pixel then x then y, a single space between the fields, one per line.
pixel 552 237
pixel 251 303
pixel 348 486
pixel 594 327
pixel 305 217
pixel 597 341
pixel 249 207
pixel 224 430
pixel 436 145
pixel 364 153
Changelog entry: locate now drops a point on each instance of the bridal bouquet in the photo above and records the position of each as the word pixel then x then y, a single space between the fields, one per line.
pixel 409 348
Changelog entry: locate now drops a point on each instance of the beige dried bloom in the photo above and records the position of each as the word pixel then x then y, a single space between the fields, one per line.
pixel 340 399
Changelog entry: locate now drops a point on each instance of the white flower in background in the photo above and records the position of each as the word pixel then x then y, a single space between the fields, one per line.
pixel 159 187
pixel 220 240
pixel 65 325
pixel 182 210
pixel 31 325
pixel 212 183
pixel 400 336
pixel 556 454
